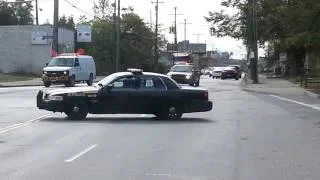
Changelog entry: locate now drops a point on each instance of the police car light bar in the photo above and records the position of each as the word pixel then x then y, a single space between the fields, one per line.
pixel 134 70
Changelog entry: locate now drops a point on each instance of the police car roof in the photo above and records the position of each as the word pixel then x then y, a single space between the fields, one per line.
pixel 143 73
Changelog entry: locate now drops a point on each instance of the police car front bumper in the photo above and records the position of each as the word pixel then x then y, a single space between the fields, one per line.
pixel 50 105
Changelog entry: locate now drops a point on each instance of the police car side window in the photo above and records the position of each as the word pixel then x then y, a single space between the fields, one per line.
pixel 124 83
pixel 76 62
pixel 150 82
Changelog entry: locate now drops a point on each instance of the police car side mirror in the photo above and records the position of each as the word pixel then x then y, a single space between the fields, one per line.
pixel 109 87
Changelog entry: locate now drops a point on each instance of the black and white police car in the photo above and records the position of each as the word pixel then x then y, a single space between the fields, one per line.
pixel 131 92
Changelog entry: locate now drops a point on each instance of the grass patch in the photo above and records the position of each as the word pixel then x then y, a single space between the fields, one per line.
pixel 15 77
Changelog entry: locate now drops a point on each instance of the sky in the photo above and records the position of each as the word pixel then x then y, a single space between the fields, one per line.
pixel 191 10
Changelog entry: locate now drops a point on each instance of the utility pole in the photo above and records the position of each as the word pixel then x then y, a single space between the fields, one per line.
pixel 198 35
pixel 253 38
pixel 55 25
pixel 154 64
pixel 118 38
pixel 37 13
pixel 175 29
pixel 185 28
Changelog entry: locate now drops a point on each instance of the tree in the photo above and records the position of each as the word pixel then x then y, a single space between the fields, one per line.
pixel 66 22
pixel 291 26
pixel 16 13
pixel 136 42
pixel 23 13
pixel 6 14
pixel 102 10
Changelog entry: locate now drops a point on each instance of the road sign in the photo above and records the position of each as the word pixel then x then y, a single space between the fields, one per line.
pixel 84 33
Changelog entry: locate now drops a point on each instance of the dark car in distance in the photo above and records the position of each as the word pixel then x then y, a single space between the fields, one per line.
pixel 185 74
pixel 230 73
pixel 131 92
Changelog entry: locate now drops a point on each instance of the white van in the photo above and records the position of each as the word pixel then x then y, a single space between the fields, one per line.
pixel 68 69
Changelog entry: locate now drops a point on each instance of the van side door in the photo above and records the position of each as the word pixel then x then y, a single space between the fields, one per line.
pixel 77 69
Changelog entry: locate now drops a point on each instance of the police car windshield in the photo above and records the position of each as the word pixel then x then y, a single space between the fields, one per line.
pixel 64 62
pixel 181 68
pixel 107 80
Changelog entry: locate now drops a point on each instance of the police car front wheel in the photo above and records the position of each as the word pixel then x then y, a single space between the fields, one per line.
pixel 76 110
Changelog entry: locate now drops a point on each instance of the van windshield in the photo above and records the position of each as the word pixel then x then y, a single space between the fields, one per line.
pixel 64 62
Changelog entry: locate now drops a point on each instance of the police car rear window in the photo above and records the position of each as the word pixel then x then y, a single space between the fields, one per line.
pixel 170 84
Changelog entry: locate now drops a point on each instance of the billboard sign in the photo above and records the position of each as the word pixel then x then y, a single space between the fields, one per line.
pixel 84 33
pixel 37 36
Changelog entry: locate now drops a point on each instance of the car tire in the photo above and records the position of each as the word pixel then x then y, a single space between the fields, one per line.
pixel 237 78
pixel 170 112
pixel 76 110
pixel 90 81
pixel 197 83
pixel 72 81
pixel 47 84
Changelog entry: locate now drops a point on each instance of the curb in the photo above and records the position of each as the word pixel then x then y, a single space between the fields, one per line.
pixel 26 85
pixel 312 94
pixel 259 92
pixel 23 85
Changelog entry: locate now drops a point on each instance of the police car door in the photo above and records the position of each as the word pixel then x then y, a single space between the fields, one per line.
pixel 151 94
pixel 120 97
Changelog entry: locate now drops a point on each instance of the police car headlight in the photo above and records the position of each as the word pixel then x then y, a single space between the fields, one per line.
pixel 188 76
pixel 55 98
pixel 44 72
pixel 66 72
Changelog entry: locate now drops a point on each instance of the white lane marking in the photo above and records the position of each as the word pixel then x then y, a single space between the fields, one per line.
pixel 18 125
pixel 81 153
pixel 297 102
pixel 143 115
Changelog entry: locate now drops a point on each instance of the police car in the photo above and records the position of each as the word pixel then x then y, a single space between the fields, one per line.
pixel 130 92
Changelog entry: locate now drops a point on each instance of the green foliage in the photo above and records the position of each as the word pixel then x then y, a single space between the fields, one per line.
pixel 296 22
pixel 19 13
pixel 136 39
pixel 66 22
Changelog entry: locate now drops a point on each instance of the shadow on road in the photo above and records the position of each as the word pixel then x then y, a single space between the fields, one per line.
pixel 128 120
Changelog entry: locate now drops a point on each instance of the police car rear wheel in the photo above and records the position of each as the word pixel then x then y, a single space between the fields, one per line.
pixel 171 112
pixel 77 110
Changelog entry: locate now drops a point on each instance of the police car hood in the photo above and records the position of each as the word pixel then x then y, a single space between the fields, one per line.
pixel 88 89
pixel 179 73
pixel 56 68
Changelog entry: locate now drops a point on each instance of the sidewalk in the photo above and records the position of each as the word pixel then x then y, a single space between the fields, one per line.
pixel 275 86
pixel 33 82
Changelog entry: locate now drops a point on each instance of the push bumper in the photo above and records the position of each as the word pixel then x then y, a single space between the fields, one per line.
pixel 198 106
pixel 55 79
pixel 55 106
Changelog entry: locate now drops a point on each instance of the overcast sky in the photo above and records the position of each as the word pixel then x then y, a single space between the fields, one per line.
pixel 193 11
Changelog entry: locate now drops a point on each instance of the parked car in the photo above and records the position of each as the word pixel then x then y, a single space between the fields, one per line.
pixel 238 68
pixel 185 74
pixel 69 69
pixel 230 73
pixel 216 72
pixel 131 92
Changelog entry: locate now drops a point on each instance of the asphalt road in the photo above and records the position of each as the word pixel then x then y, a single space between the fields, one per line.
pixel 248 136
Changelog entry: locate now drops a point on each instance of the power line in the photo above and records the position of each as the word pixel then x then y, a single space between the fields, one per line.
pixel 79 9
